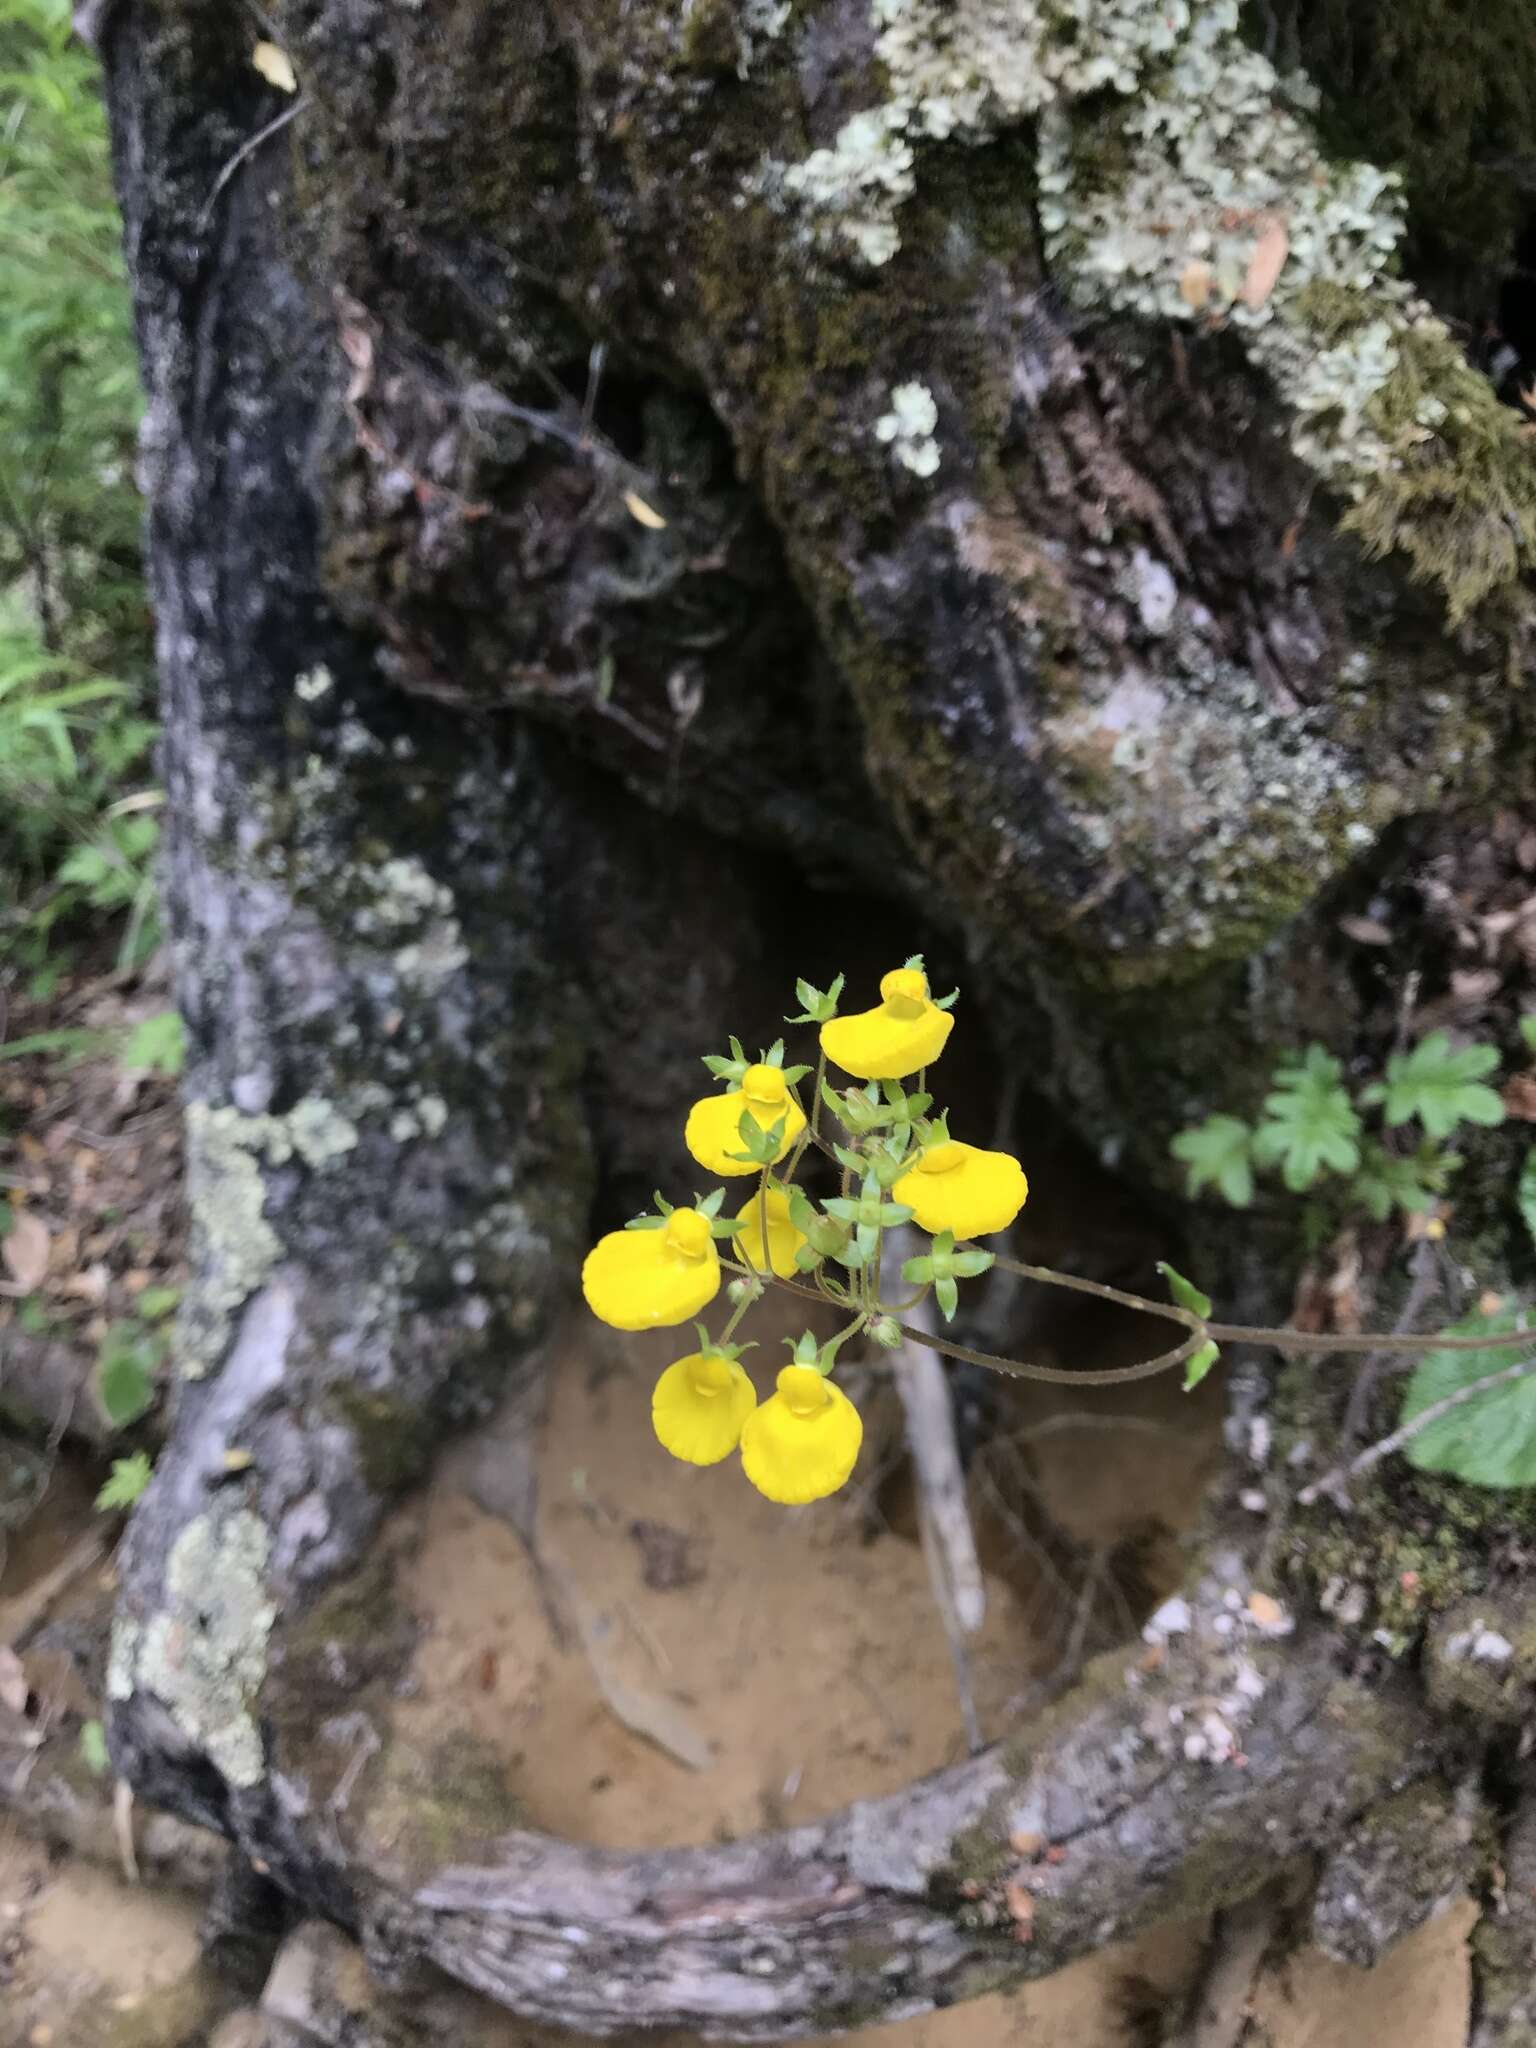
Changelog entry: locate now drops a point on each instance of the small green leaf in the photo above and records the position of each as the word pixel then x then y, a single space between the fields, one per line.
pixel 156 1045
pixel 1198 1364
pixel 156 1303
pixel 1217 1154
pixel 93 1748
pixel 1527 1191
pixel 126 1482
pixel 125 1373
pixel 1491 1440
pixel 1528 1030
pixel 1185 1292
pixel 1310 1125
pixel 1440 1085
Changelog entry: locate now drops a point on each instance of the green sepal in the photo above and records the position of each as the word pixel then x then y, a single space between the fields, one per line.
pixel 915 960
pixel 763 1145
pixel 852 1256
pixel 846 1156
pixel 728 1070
pixel 646 1222
pixel 663 1206
pixel 1185 1292
pixel 817 1006
pixel 1198 1364
pixel 917 1272
pixel 794 1075
pixel 708 1348
pixel 807 1258
pixel 709 1205
pixel 971 1263
pixel 947 1002
pixel 726 1226
pixel 947 1295
pixel 867 1238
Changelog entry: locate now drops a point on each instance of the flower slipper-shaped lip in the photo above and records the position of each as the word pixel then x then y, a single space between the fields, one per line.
pixel 803 1441
pixel 651 1279
pixel 904 1034
pixel 713 1131
pixel 699 1407
pixel 961 1188
pixel 784 1240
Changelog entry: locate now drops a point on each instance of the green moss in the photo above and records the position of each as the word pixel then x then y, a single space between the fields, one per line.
pixel 449 1803
pixel 392 1446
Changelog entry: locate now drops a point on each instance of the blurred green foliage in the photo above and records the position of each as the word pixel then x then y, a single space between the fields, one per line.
pixel 77 813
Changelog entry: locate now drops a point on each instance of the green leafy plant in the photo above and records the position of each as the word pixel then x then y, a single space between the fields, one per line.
pixel 1489 1440
pixel 126 1482
pixel 126 1364
pixel 93 1747
pixel 76 837
pixel 1312 1131
pixel 156 1044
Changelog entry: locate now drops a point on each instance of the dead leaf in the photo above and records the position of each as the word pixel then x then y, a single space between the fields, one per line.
pixel 1365 931
pixel 91 1285
pixel 1021 1907
pixel 25 1252
pixel 1024 1843
pixel 274 66
pixel 1265 264
pixel 13 1682
pixel 239 1461
pixel 1195 281
pixel 1489 1303
pixel 1269 1614
pixel 1519 1097
pixel 638 509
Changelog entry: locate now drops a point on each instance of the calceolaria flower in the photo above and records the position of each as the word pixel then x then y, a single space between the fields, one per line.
pixel 713 1131
pixel 784 1240
pixel 700 1405
pixel 803 1441
pixel 904 1034
pixel 650 1278
pixel 962 1189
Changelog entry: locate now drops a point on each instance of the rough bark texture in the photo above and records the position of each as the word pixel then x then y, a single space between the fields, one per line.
pixel 490 797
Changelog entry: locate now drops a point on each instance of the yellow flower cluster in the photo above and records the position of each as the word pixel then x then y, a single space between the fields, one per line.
pixel 898 1166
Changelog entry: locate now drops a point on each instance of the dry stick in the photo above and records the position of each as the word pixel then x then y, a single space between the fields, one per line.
pixel 944 1522
pixel 1425 1278
pixel 1374 1453
pixel 247 148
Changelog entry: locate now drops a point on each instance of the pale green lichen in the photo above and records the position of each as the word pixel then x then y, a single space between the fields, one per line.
pixel 234 1247
pixel 1179 178
pixel 205 1653
pixel 313 684
pixel 402 897
pixel 908 427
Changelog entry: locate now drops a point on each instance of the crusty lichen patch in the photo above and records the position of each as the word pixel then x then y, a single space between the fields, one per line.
pixel 205 1653
pixel 234 1246
pixel 1180 178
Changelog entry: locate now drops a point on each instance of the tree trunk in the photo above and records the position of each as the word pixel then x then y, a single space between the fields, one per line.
pixel 584 575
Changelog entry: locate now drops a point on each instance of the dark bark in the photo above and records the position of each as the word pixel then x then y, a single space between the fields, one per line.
pixel 442 973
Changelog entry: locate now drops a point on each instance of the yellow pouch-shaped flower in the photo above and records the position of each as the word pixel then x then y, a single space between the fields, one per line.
pixel 783 1238
pixel 906 1033
pixel 961 1188
pixel 650 1279
pixel 713 1130
pixel 803 1442
pixel 699 1406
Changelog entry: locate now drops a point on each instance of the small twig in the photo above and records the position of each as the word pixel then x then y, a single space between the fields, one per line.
pixel 247 149
pixel 1220 2006
pixel 1333 1483
pixel 1425 1275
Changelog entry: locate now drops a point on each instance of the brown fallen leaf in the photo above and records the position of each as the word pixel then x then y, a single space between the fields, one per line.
pixel 24 1250
pixel 1265 264
pixel 89 1285
pixel 1269 1614
pixel 1021 1907
pixel 637 508
pixel 1518 1096
pixel 1025 1843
